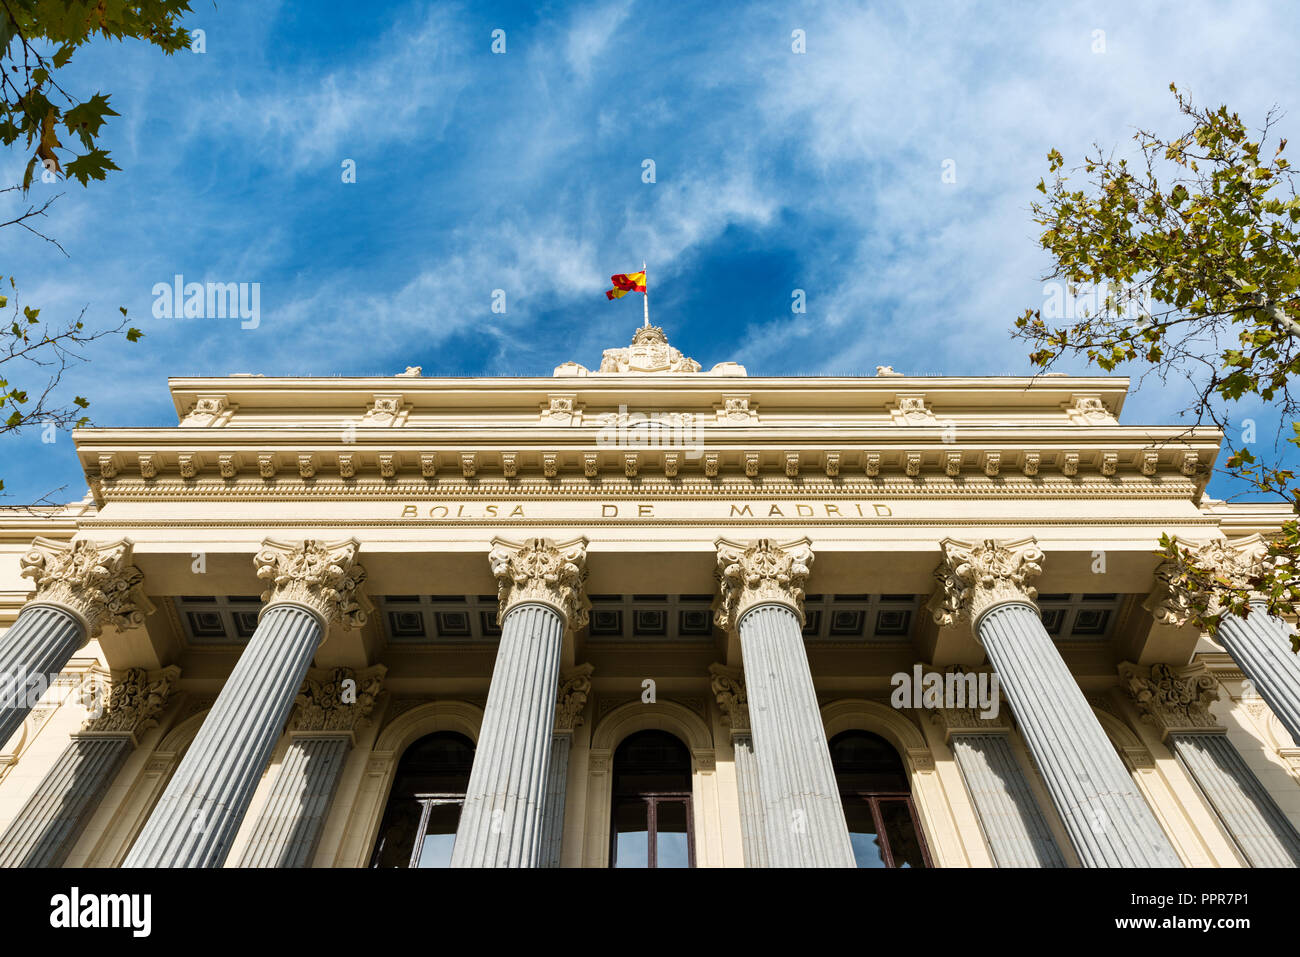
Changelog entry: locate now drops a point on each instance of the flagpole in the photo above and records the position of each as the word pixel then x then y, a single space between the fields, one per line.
pixel 645 323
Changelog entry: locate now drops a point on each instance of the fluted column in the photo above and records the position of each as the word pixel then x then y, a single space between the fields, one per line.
pixel 79 587
pixel 540 586
pixel 1013 824
pixel 329 709
pixel 574 689
pixel 729 688
pixel 1260 644
pixel 761 587
pixel 49 824
pixel 1106 817
pixel 194 823
pixel 1177 702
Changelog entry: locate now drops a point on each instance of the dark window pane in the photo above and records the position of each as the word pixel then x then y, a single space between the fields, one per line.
pixel 862 832
pixel 900 830
pixel 439 836
pixel 631 833
pixel 672 848
pixel 397 834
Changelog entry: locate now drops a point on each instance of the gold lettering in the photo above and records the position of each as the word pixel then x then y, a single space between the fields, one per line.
pixel 410 511
pixel 491 511
pixel 832 509
pixel 609 511
pixel 740 510
pixel 883 509
pixel 433 512
pixel 775 510
pixel 800 510
pixel 645 511
pixel 518 512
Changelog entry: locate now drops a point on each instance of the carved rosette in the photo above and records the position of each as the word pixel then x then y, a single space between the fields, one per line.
pixel 1173 600
pixel 323 576
pixel 336 701
pixel 1172 699
pixel 729 688
pixel 759 573
pixel 974 578
pixel 136 697
pixel 575 686
pixel 540 570
pixel 95 581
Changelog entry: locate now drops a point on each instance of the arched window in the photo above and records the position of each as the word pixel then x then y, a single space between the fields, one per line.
pixel 877 802
pixel 419 824
pixel 650 821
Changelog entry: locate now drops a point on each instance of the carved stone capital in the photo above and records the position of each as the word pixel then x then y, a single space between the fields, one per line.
pixel 974 578
pixel 575 686
pixel 540 570
pixel 94 581
pixel 1172 699
pixel 336 700
pixel 758 573
pixel 729 687
pixel 323 576
pixel 1175 601
pixel 135 699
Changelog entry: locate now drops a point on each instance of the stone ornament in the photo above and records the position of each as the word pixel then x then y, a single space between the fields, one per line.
pixel 648 353
pixel 729 688
pixel 974 578
pixel 1174 602
pixel 135 699
pixel 323 576
pixel 1172 699
pixel 321 706
pixel 540 570
pixel 912 410
pixel 1089 409
pixel 575 686
pixel 758 573
pixel 95 581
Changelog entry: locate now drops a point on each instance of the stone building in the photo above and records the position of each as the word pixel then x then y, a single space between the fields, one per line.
pixel 646 615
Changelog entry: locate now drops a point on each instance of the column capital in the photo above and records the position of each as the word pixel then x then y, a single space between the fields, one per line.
pixel 135 699
pixel 323 576
pixel 575 686
pixel 337 700
pixel 976 577
pixel 542 570
pixel 1181 594
pixel 729 687
pixel 760 572
pixel 968 720
pixel 1172 699
pixel 95 581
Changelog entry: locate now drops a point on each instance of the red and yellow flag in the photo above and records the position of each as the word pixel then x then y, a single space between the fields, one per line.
pixel 625 283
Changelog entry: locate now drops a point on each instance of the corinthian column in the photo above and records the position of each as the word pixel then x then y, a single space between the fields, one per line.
pixel 79 587
pixel 574 689
pixel 1177 703
pixel 729 687
pixel 1105 815
pixel 329 709
pixel 49 824
pixel 761 595
pixel 540 589
pixel 311 585
pixel 1260 644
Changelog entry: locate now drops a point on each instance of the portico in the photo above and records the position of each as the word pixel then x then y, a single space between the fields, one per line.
pixel 507 622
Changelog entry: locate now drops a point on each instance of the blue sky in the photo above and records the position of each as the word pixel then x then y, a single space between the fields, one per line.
pixel 522 171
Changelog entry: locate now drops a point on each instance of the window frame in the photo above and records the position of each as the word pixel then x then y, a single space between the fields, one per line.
pixel 873 799
pixel 652 800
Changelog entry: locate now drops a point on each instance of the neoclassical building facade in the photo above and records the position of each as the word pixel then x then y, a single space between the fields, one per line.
pixel 646 615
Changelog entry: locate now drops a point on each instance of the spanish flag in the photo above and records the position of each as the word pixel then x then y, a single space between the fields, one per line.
pixel 625 283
